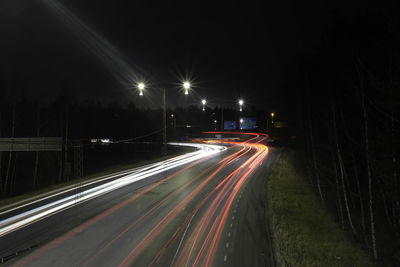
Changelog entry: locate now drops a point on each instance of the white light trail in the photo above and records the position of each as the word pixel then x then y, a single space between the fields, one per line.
pixel 23 219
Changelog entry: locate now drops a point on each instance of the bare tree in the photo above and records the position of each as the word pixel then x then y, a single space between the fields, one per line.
pixel 315 165
pixel 360 197
pixel 342 173
pixel 369 174
pixel 338 196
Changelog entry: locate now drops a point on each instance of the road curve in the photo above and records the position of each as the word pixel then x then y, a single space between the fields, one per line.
pixel 195 213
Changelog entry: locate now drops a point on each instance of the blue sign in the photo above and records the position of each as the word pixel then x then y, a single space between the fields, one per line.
pixel 229 125
pixel 247 123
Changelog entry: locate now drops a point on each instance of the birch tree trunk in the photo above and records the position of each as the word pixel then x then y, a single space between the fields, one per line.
pixel 360 197
pixel 339 198
pixel 369 174
pixel 315 165
pixel 342 174
pixel 396 204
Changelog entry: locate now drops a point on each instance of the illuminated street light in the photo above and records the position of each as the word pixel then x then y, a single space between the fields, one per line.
pixel 204 103
pixel 141 87
pixel 272 117
pixel 186 86
pixel 240 104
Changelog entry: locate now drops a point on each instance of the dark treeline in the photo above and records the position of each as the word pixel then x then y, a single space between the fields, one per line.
pixel 137 133
pixel 350 102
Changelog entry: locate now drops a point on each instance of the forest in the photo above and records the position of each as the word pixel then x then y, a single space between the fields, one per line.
pixel 349 121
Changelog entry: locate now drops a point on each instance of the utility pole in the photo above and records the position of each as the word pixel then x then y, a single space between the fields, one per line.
pixel 222 118
pixel 164 123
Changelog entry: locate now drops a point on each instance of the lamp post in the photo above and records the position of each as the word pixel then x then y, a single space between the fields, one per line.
pixel 186 86
pixel 240 125
pixel 141 87
pixel 204 103
pixel 240 104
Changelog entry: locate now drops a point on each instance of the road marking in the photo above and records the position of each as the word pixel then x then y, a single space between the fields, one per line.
pixel 229 234
pixel 225 258
pixel 233 217
pixel 231 225
pixel 227 245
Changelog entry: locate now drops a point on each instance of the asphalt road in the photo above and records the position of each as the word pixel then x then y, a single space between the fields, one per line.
pixel 207 212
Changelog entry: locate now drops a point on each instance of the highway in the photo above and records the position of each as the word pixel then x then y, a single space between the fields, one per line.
pixel 205 208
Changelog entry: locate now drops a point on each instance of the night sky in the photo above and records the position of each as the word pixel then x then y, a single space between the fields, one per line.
pixel 229 50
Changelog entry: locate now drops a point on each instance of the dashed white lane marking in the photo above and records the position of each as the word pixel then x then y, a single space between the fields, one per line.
pixel 227 244
pixel 233 217
pixel 225 258
pixel 231 225
pixel 229 234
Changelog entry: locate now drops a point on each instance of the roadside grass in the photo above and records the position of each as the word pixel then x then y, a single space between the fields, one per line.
pixel 43 192
pixel 304 234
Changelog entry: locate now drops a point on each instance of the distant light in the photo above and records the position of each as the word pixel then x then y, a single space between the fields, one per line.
pixel 215 121
pixel 272 114
pixel 241 102
pixel 105 140
pixel 203 101
pixel 188 126
pixel 241 120
pixel 172 115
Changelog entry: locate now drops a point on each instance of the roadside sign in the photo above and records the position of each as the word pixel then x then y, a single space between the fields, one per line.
pixel 31 144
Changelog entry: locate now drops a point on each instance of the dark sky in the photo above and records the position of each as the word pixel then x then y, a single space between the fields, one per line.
pixel 229 49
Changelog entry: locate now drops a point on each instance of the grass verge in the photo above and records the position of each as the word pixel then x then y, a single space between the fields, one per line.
pixel 39 193
pixel 304 234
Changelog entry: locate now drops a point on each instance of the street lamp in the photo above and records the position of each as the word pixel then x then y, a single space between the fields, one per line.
pixel 204 103
pixel 186 86
pixel 240 104
pixel 272 117
pixel 240 125
pixel 141 87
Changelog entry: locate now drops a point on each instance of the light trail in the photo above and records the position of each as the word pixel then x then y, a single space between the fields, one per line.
pixel 152 235
pixel 226 188
pixel 189 220
pixel 23 219
pixel 211 225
